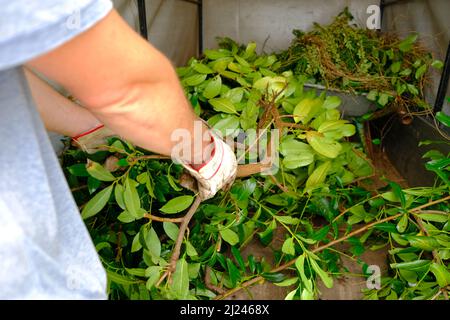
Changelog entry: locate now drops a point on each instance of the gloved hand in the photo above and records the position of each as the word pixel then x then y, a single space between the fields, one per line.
pixel 218 173
pixel 93 140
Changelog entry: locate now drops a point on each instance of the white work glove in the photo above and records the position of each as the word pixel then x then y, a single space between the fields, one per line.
pixel 93 140
pixel 218 173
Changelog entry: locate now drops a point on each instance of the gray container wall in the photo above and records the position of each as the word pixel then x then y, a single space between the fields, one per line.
pixel 430 19
pixel 270 22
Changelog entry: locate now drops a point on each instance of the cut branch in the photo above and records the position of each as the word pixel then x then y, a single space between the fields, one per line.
pixel 176 251
pixel 162 219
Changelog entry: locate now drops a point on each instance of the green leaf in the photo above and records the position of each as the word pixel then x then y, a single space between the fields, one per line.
pixel 423 242
pixel 241 61
pixel 298 160
pixel 306 109
pixel 443 118
pixel 120 279
pixel 228 124
pixel 403 223
pixel 306 294
pixel 118 195
pixel 223 105
pixel 131 198
pixel 387 227
pixel 321 233
pixel 229 236
pixel 136 244
pixel 213 87
pixel 290 295
pixel 435 217
pixel 287 283
pixel 395 67
pixel 300 265
pixel 412 89
pixel 242 190
pixel 358 164
pixel 326 279
pixel 93 184
pixel 274 277
pixel 194 80
pixel 417 63
pixel 237 255
pixel 249 50
pixel 138 272
pixel 99 172
pixel 153 274
pixel 249 115
pixel 171 230
pixel 288 220
pixel 180 280
pixel 421 71
pixel 390 53
pixel 234 273
pixel 97 203
pixel 126 217
pixel 383 99
pixel 288 247
pixel 177 204
pixel 193 270
pixel 398 192
pixel 372 95
pixel 277 200
pixel 327 147
pixel 117 146
pixel 153 244
pixel 201 68
pixel 297 154
pixel 216 54
pixel 234 95
pixel 441 273
pixel 437 64
pixel 78 170
pixel 406 72
pixel 433 155
pixel 332 102
pixel 292 146
pixel 399 239
pixel 411 265
pixel 406 44
pixel 102 245
pixel 376 141
pixel 172 183
pixel 190 249
pixel 318 176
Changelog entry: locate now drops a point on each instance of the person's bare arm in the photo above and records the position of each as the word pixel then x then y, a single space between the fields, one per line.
pixel 58 113
pixel 124 81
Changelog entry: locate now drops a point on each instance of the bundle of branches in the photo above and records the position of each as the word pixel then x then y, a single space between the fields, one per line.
pixel 158 241
pixel 343 56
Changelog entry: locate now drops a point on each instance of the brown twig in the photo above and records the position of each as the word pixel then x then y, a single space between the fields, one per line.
pixel 162 219
pixel 78 188
pixel 279 185
pixel 150 157
pixel 176 251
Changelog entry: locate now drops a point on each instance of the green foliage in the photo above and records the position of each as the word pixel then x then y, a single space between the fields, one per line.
pixel 233 88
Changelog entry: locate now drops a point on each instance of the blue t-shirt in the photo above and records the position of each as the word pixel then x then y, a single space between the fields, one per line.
pixel 45 248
